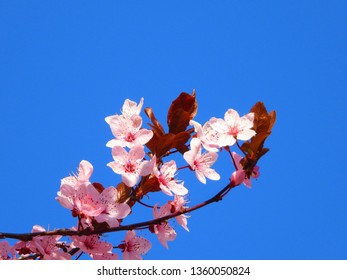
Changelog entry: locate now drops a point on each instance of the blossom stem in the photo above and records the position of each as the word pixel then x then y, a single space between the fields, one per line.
pixel 80 255
pixel 238 145
pixel 144 204
pixel 232 158
pixel 183 167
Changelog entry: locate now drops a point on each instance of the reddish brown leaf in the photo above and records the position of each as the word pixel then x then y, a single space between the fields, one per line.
pixel 153 143
pixel 124 192
pixel 254 148
pixel 148 185
pixel 272 115
pixel 258 140
pixel 180 140
pixel 156 126
pixel 157 129
pixel 170 141
pixel 263 121
pixel 182 110
pixel 164 144
pixel 99 187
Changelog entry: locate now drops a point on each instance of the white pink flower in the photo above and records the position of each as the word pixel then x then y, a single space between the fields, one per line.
pixel 85 170
pixel 86 202
pixel 45 247
pixel 233 127
pixel 166 179
pixel 112 211
pixel 207 135
pixel 129 109
pixel 201 163
pixel 6 251
pixel 83 201
pixel 130 165
pixel 134 246
pixel 128 132
pixel 94 247
pixel 126 128
pixel 178 205
pixel 69 185
pixel 163 231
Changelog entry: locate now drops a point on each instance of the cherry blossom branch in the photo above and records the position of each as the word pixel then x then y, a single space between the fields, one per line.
pixel 141 225
pixel 100 210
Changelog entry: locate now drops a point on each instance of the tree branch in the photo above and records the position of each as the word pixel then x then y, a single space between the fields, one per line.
pixel 68 232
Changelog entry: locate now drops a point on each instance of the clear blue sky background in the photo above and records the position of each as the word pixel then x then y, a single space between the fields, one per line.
pixel 66 65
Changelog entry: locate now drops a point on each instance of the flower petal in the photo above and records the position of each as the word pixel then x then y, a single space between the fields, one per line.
pixel 130 179
pixel 137 153
pixel 200 176
pixel 232 117
pixel 178 189
pixel 211 174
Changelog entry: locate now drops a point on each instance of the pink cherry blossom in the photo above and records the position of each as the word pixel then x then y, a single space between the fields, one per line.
pixel 128 132
pixel 129 109
pixel 178 205
pixel 69 185
pixel 80 196
pixel 83 201
pixel 6 251
pixel 163 231
pixel 166 179
pixel 134 246
pixel 112 211
pixel 94 247
pixel 233 127
pixel 86 202
pixel 126 128
pixel 46 246
pixel 239 176
pixel 85 170
pixel 201 163
pixel 130 165
pixel 207 135
pixel 42 247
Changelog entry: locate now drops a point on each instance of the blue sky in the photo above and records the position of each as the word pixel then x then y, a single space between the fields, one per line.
pixel 64 66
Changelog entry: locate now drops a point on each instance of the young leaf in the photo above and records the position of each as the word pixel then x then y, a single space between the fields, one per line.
pixel 182 110
pixel 124 192
pixel 263 121
pixel 164 144
pixel 254 148
pixel 157 128
pixel 149 184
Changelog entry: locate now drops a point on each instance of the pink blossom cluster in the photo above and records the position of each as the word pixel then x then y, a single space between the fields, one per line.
pixel 96 206
pixel 214 135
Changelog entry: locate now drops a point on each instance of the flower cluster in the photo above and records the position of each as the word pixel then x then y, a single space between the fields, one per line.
pixel 216 134
pixel 140 158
